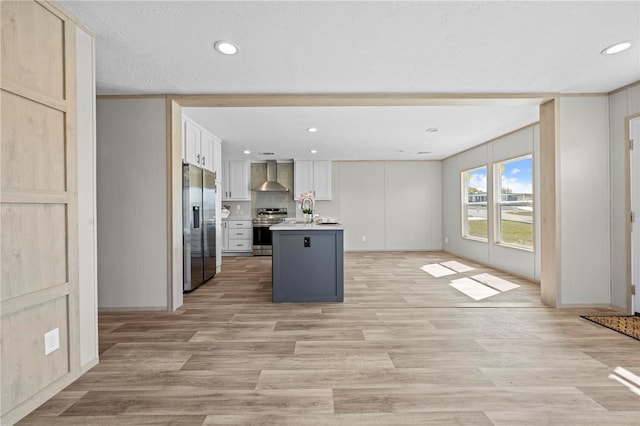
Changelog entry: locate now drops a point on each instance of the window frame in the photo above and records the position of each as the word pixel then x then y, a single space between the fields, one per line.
pixel 464 204
pixel 498 203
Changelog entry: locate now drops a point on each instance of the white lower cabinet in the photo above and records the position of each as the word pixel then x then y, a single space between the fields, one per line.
pixel 237 236
pixel 225 235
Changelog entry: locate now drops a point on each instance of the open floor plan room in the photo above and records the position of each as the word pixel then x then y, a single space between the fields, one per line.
pixel 369 213
pixel 405 347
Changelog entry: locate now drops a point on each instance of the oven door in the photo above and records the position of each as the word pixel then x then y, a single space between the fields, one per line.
pixel 262 240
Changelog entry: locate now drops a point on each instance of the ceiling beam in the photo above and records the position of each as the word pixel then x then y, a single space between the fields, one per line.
pixel 361 99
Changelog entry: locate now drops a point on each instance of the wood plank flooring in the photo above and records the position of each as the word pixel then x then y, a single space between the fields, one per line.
pixel 404 348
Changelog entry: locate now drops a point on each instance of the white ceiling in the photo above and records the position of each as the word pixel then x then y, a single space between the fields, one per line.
pixel 358 133
pixel 362 47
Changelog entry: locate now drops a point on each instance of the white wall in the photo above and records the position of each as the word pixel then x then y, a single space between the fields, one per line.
pixel 87 258
pixel 621 105
pixel 522 142
pixel 394 205
pixel 132 203
pixel 584 204
pixel 362 205
pixel 413 205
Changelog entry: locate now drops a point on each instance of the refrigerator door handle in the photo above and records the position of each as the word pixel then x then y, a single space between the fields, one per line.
pixel 196 217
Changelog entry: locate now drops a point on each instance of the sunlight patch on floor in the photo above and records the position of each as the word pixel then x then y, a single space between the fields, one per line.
pixel 437 270
pixel 457 266
pixel 627 378
pixel 495 282
pixel 473 289
pixel 477 287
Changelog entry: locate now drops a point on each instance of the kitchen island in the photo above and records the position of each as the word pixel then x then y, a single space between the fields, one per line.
pixel 308 262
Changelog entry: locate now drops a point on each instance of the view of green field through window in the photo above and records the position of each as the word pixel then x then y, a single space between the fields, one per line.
pixel 513 200
pixel 475 203
pixel 515 203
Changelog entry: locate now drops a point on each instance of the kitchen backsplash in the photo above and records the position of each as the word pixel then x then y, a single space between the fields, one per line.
pixel 247 209
pixel 239 209
pixel 261 200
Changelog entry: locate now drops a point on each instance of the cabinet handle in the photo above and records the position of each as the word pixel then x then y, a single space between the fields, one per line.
pixel 239 233
pixel 238 245
pixel 204 162
pixel 198 158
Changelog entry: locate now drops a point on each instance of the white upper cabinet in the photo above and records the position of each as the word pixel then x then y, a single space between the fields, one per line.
pixel 314 177
pixel 302 177
pixel 217 160
pixel 191 146
pixel 198 145
pixel 206 151
pixel 235 181
pixel 322 180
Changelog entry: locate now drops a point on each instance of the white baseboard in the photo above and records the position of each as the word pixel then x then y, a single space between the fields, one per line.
pixel 89 365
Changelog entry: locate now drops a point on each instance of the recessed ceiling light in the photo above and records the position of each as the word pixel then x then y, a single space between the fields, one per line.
pixel 616 48
pixel 226 47
pixel 423 152
pixel 313 151
pixel 431 130
pixel 246 152
pixel 312 130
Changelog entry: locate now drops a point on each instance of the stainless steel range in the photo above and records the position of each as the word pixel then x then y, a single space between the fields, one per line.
pixel 261 233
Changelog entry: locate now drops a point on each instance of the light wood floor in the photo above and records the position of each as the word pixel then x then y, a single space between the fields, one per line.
pixel 403 349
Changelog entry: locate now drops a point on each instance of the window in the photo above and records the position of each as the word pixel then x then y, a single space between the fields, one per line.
pixel 514 199
pixel 474 203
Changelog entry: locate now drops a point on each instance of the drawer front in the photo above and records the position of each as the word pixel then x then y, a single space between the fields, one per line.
pixel 239 224
pixel 240 234
pixel 239 245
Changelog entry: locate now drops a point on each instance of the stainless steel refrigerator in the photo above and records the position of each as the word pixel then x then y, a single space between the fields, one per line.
pixel 199 225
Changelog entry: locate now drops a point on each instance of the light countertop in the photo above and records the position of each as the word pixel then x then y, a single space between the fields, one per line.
pixel 299 226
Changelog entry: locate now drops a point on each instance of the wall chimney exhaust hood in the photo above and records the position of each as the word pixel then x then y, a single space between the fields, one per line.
pixel 271 185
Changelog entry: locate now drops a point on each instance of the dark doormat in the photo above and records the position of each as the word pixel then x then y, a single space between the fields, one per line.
pixel 626 324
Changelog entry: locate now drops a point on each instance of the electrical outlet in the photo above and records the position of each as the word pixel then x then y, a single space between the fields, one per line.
pixel 51 341
pixel 364 239
pixel 446 240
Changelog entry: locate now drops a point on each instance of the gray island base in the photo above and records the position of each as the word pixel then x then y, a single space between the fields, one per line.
pixel 308 263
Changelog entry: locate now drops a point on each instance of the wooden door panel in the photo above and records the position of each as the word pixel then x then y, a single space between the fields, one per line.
pixel 39 209
pixel 34 250
pixel 33 145
pixel 33 54
pixel 28 370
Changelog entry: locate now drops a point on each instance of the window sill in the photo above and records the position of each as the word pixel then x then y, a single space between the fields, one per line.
pixel 476 239
pixel 520 248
